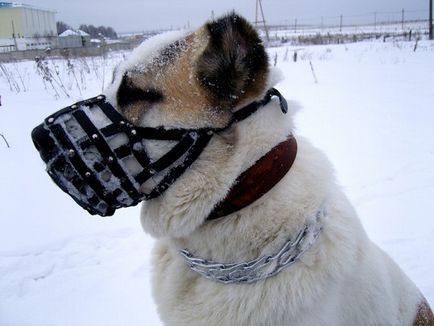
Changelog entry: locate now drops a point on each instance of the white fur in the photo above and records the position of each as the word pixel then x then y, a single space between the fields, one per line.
pixel 343 280
pixel 140 57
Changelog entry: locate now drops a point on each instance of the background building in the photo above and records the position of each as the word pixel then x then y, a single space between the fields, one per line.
pixel 24 27
pixel 74 39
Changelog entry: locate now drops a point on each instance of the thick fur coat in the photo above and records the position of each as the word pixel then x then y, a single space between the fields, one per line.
pixel 198 80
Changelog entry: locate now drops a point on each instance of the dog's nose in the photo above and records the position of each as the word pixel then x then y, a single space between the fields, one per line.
pixel 44 143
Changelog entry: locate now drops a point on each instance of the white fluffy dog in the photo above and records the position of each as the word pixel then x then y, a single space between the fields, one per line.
pixel 336 275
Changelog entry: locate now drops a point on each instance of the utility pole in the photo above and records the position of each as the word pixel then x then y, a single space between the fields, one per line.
pixel 375 21
pixel 403 18
pixel 341 22
pixel 430 20
pixel 256 14
pixel 259 8
pixel 14 36
pixel 295 26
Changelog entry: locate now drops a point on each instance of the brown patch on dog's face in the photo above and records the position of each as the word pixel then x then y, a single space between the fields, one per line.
pixel 170 84
pixel 197 81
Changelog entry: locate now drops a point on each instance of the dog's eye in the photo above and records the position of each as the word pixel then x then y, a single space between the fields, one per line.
pixel 128 94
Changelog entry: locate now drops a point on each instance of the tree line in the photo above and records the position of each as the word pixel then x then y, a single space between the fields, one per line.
pixel 93 31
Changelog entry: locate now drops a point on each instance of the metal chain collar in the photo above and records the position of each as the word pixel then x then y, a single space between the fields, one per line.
pixel 263 267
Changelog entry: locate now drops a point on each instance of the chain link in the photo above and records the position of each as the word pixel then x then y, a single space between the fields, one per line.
pixel 262 267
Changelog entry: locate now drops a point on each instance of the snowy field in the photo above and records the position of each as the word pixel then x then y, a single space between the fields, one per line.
pixel 371 110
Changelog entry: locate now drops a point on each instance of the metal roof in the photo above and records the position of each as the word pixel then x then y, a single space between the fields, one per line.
pixel 70 32
pixel 22 5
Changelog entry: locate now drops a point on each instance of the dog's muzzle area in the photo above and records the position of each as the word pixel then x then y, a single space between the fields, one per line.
pixel 96 156
pixel 99 158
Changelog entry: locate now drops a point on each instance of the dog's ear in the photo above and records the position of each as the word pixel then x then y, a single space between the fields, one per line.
pixel 234 65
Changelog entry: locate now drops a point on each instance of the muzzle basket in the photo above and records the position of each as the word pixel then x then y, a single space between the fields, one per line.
pixel 82 163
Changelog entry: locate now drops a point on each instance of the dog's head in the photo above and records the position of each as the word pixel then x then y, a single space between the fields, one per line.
pixel 156 119
pixel 193 80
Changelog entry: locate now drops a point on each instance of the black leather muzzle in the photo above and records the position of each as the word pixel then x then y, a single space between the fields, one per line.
pixel 96 156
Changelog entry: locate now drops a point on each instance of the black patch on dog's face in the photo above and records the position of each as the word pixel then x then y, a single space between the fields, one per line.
pixel 169 53
pixel 234 62
pixel 128 93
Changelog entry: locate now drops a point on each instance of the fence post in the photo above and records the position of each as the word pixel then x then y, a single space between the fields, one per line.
pixel 430 21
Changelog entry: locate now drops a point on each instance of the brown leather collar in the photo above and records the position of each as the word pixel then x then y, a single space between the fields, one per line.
pixel 256 181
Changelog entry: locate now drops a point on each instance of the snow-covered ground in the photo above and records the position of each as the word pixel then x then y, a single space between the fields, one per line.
pixel 372 112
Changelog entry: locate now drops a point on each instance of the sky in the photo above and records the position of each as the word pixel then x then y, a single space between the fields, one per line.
pixel 139 15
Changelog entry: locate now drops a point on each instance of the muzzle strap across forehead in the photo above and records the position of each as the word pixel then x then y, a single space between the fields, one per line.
pixel 100 159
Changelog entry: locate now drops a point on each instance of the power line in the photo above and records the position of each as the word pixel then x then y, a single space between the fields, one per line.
pixel 375 19
pixel 361 15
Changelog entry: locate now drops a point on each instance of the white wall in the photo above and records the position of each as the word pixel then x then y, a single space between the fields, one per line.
pixel 39 22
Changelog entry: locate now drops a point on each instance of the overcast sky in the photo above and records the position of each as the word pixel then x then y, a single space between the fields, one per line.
pixel 138 15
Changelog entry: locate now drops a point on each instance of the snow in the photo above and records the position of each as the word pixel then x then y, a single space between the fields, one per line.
pixel 370 112
pixel 70 32
pixel 82 33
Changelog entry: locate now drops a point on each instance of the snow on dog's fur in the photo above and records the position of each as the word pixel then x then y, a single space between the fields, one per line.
pixel 198 79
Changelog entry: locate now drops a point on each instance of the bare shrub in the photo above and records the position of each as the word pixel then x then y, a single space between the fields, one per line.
pixel 5 140
pixel 10 78
pixel 50 75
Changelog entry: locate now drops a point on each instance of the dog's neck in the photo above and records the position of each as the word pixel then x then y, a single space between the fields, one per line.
pixel 256 181
pixel 261 268
pixel 185 206
pixel 260 228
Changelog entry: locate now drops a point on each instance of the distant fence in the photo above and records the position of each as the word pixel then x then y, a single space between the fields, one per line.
pixel 342 38
pixel 71 52
pixel 375 19
pixel 401 25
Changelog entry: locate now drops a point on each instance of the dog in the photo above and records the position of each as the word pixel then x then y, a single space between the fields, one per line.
pixel 231 250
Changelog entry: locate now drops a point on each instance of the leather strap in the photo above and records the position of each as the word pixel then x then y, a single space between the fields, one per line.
pixel 256 181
